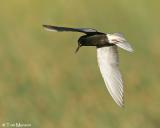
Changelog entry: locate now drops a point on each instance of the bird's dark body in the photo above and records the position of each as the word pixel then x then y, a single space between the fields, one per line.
pixel 94 39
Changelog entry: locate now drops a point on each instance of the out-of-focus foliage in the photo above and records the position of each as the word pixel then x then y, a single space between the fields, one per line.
pixel 42 81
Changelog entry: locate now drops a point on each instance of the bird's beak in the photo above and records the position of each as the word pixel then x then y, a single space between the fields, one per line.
pixel 79 45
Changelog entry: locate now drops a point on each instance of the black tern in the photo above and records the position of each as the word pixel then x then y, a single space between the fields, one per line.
pixel 107 55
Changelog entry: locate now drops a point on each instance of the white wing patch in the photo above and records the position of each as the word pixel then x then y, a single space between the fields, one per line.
pixel 119 40
pixel 108 64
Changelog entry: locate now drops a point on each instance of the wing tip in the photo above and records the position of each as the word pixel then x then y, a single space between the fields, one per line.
pixel 49 28
pixel 121 104
pixel 129 48
pixel 45 26
pixel 119 101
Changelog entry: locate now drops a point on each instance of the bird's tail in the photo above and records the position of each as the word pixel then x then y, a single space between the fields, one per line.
pixel 120 41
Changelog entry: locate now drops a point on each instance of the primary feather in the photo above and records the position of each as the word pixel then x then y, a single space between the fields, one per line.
pixel 108 64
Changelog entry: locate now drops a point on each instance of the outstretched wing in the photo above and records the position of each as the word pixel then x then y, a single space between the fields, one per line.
pixel 62 29
pixel 108 64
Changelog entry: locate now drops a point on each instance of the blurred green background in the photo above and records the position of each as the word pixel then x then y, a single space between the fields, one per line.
pixel 42 81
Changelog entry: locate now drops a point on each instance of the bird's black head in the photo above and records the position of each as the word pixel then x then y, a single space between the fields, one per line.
pixel 81 42
pixel 85 40
pixel 91 39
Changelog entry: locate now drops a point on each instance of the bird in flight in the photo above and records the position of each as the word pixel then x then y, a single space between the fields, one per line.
pixel 107 55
